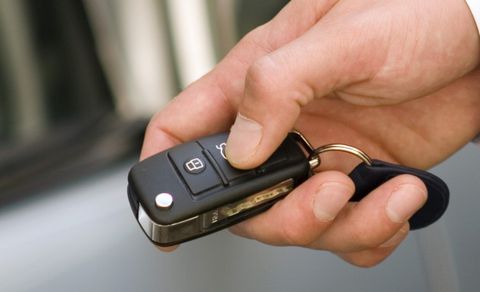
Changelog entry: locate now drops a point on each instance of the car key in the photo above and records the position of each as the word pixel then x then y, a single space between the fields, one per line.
pixel 191 190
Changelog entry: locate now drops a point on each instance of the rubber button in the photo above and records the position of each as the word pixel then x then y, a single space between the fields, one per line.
pixel 195 169
pixel 194 165
pixel 215 145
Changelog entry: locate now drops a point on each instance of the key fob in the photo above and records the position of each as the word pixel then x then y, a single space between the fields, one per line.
pixel 191 190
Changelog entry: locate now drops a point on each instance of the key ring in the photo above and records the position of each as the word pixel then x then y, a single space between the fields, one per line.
pixel 314 153
pixel 343 148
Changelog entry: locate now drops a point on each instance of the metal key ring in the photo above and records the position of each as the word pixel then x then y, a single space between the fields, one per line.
pixel 343 148
pixel 314 153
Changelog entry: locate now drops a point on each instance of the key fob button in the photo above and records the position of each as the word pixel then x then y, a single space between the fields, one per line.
pixel 229 171
pixel 164 201
pixel 215 145
pixel 194 168
pixel 191 190
pixel 194 165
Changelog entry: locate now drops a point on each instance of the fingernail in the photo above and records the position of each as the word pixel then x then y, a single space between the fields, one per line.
pixel 404 202
pixel 245 135
pixel 397 238
pixel 329 199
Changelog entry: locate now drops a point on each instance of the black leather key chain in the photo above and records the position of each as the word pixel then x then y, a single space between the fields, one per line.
pixel 366 176
pixel 371 173
pixel 191 190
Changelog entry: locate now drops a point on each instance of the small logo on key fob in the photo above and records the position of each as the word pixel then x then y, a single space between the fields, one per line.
pixel 221 147
pixel 194 166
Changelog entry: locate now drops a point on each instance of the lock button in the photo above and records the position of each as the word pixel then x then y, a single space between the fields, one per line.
pixel 194 167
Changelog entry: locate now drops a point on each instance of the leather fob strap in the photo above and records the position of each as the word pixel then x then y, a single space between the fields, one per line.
pixel 367 178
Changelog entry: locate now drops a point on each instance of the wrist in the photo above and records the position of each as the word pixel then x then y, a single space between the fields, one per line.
pixel 474 6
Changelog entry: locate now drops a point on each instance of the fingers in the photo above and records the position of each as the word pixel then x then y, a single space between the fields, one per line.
pixel 199 110
pixel 279 84
pixel 317 215
pixel 371 257
pixel 304 214
pixel 167 248
pixel 332 57
pixel 209 105
pixel 375 219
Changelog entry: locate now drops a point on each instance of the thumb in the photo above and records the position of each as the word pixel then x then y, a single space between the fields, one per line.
pixel 265 116
pixel 279 84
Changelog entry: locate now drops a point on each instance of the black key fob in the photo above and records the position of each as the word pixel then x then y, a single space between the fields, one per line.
pixel 191 190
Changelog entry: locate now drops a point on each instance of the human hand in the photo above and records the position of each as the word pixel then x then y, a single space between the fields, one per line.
pixel 418 133
pixel 316 214
pixel 364 52
pixel 355 232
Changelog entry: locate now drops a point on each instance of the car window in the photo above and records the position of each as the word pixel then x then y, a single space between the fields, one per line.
pixel 51 86
pixel 80 79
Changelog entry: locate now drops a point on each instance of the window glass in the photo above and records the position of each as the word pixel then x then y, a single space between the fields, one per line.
pixel 53 95
pixel 49 77
pixel 252 13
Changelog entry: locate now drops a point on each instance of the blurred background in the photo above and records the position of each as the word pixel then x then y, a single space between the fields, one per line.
pixel 79 81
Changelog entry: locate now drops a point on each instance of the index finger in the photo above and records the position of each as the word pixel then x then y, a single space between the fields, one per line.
pixel 201 109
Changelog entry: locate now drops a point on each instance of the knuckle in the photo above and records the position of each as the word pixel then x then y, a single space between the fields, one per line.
pixel 267 78
pixel 397 238
pixel 373 234
pixel 156 123
pixel 152 128
pixel 259 39
pixel 263 73
pixel 152 124
pixel 365 239
pixel 295 236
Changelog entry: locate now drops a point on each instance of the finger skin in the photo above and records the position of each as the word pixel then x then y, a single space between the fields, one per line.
pixel 209 105
pixel 372 257
pixel 167 248
pixel 357 227
pixel 292 220
pixel 397 58
pixel 370 223
pixel 200 110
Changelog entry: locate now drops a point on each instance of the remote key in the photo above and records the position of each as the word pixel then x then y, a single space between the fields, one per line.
pixel 191 190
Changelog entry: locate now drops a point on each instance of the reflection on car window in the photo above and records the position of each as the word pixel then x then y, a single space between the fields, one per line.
pixel 48 77
pixel 252 13
pixel 52 91
pixel 57 114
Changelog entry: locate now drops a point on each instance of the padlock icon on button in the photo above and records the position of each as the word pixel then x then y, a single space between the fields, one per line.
pixel 194 166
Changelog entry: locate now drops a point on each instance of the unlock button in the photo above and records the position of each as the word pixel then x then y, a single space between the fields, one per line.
pixel 215 146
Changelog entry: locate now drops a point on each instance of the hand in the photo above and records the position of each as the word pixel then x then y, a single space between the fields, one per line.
pixel 418 133
pixel 364 52
pixel 412 137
